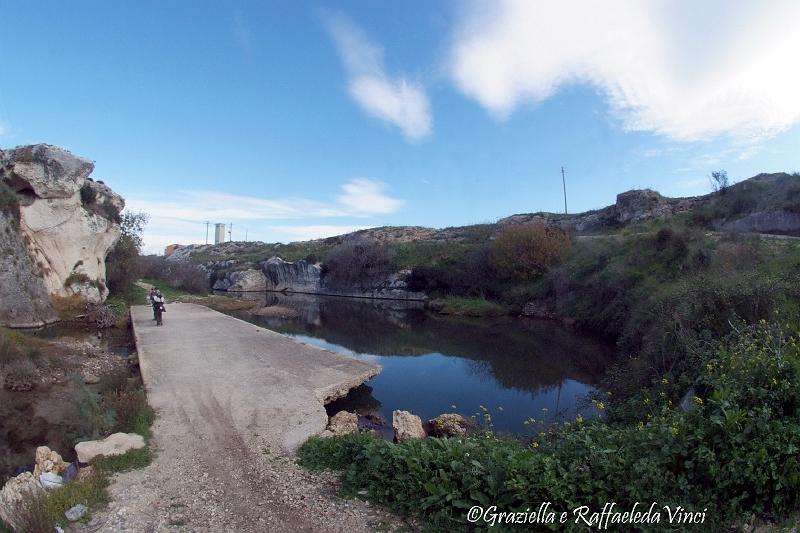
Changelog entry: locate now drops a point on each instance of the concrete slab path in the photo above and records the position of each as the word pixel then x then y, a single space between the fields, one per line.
pixel 210 367
pixel 233 401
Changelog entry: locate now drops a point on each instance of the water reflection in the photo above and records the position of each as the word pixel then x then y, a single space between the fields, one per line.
pixel 514 367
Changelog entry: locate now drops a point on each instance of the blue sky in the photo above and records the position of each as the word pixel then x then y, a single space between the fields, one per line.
pixel 296 120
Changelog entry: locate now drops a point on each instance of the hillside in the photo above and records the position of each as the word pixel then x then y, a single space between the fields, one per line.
pixel 766 203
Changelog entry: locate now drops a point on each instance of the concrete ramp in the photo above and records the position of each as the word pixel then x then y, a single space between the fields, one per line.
pixel 224 379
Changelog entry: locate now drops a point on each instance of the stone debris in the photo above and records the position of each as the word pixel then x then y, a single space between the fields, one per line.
pixel 48 460
pixel 51 481
pixel 116 444
pixel 407 426
pixel 343 423
pixel 90 379
pixel 76 513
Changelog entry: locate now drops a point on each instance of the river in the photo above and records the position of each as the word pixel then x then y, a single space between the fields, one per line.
pixel 515 368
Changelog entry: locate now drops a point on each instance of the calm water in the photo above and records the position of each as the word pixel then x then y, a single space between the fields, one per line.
pixel 512 366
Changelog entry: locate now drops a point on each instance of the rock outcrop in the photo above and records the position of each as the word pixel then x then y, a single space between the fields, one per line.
pixel 407 426
pixel 299 276
pixel 116 444
pixel 15 493
pixel 66 224
pixel 247 281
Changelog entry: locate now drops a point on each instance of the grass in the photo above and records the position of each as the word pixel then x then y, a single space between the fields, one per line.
pixel 131 460
pixel 476 307
pixel 170 293
pixel 91 492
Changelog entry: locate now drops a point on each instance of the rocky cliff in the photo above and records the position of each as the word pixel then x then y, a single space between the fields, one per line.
pixel 58 226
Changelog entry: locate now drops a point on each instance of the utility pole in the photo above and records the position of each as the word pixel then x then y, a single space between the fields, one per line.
pixel 245 234
pixel 564 184
pixel 230 233
pixel 207 224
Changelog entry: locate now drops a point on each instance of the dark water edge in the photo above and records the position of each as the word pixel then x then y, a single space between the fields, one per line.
pixel 516 368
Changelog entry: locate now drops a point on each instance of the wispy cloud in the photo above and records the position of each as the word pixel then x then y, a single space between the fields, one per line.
pixel 367 197
pixel 396 100
pixel 182 220
pixel 241 32
pixel 684 70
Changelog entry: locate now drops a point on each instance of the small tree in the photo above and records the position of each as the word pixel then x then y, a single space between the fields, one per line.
pixel 123 264
pixel 523 252
pixel 719 181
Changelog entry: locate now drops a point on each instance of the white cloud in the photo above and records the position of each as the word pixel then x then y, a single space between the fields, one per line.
pixel 397 100
pixel 685 70
pixel 367 197
pixel 182 218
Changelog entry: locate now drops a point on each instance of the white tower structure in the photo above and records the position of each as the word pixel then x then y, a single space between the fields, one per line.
pixel 219 233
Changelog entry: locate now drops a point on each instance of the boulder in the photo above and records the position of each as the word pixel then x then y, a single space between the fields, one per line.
pixel 16 491
pixel 116 444
pixel 48 460
pixel 450 425
pixel 66 223
pixel 343 423
pixel 221 284
pixel 247 280
pixel 407 426
pixel 51 481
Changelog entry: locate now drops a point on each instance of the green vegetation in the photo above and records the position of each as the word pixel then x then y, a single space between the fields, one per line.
pixel 132 460
pixel 733 452
pixel 460 306
pixel 123 264
pixel 9 203
pixel 171 294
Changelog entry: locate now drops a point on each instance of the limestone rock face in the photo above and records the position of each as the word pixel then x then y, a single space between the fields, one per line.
pixel 24 301
pixel 247 280
pixel 67 222
pixel 48 460
pixel 116 444
pixel 407 426
pixel 300 276
pixel 343 423
pixel 15 492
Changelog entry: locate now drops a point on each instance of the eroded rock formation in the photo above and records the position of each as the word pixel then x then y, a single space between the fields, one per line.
pixel 57 227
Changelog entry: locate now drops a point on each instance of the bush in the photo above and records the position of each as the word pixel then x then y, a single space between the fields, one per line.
pixel 88 196
pixel 181 275
pixel 123 264
pixel 358 263
pixel 732 454
pixel 523 252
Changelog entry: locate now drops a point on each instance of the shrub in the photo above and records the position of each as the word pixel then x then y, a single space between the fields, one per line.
pixel 523 252
pixel 181 275
pixel 88 195
pixel 358 263
pixel 123 266
pixel 9 203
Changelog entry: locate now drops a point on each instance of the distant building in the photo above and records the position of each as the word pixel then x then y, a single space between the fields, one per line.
pixel 171 248
pixel 219 233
